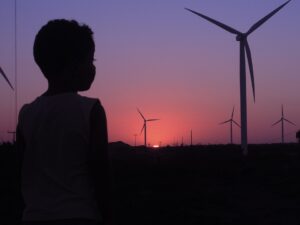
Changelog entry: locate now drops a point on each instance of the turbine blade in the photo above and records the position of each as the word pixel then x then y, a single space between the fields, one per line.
pixel 236 123
pixel 232 113
pixel 5 77
pixel 152 120
pixel 277 122
pixel 225 122
pixel 140 113
pixel 248 52
pixel 264 19
pixel 225 27
pixel 282 111
pixel 289 121
pixel 142 129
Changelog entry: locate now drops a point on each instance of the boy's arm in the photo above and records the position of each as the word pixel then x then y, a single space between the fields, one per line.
pixel 99 161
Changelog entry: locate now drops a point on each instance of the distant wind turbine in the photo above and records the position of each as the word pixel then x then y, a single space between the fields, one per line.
pixel 282 119
pixel 244 46
pixel 231 120
pixel 14 135
pixel 135 139
pixel 5 77
pixel 144 128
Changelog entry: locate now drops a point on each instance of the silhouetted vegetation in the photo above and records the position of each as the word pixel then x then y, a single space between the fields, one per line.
pixel 212 184
pixel 298 136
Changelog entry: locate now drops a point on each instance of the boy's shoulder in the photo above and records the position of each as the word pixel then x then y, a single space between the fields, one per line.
pixel 85 98
pixel 89 101
pixel 64 99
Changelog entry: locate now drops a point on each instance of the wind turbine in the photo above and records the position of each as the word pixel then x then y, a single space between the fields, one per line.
pixel 244 46
pixel 5 77
pixel 145 126
pixel 135 139
pixel 191 137
pixel 231 120
pixel 13 134
pixel 282 119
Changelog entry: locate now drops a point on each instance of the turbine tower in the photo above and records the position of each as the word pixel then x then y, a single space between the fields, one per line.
pixel 282 119
pixel 231 121
pixel 5 77
pixel 145 126
pixel 244 46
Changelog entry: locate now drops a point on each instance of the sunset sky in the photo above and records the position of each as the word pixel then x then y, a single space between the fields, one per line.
pixel 168 62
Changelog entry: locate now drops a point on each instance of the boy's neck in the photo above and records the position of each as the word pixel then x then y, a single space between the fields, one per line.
pixel 58 89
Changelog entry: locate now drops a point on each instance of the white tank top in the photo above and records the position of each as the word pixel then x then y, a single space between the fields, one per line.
pixel 56 183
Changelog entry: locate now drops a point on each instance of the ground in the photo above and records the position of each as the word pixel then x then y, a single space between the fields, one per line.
pixel 194 185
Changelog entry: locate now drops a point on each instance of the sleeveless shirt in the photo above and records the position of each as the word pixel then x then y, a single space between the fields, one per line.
pixel 55 182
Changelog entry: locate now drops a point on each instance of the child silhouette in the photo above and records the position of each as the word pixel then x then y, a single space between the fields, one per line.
pixel 62 136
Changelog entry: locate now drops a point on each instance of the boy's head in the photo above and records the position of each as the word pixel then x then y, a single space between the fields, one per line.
pixel 64 50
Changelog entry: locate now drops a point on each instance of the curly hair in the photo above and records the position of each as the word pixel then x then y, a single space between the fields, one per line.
pixel 60 43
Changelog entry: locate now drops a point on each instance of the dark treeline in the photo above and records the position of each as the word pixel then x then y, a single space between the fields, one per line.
pixel 212 184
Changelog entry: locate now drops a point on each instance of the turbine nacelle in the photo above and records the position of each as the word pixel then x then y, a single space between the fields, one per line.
pixel 241 37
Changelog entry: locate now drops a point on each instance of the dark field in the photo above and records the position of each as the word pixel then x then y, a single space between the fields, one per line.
pixel 192 185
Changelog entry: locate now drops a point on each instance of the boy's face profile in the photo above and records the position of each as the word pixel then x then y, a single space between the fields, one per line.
pixel 85 74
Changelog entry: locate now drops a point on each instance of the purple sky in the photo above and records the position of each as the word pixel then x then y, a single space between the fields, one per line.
pixel 171 64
